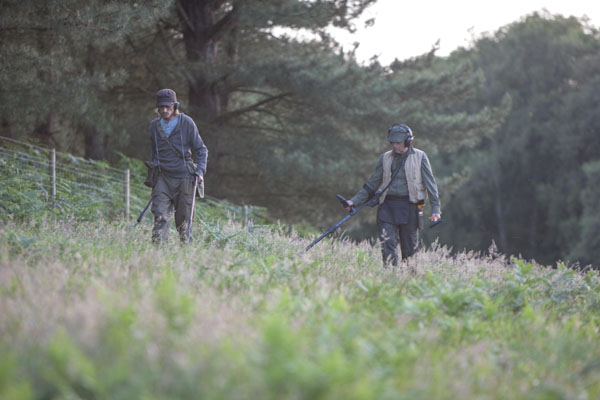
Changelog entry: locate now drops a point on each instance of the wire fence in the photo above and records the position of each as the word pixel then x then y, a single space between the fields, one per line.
pixel 36 179
pixel 58 176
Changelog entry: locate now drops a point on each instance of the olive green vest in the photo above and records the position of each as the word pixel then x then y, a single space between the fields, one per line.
pixel 412 169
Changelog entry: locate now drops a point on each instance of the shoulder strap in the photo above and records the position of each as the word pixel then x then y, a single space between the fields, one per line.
pixel 156 148
pixel 394 174
pixel 165 138
pixel 381 193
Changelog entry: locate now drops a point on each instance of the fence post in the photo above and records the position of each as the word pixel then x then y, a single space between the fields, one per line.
pixel 245 216
pixel 126 187
pixel 52 170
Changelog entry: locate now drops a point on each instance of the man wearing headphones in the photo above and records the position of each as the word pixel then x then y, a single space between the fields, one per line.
pixel 180 154
pixel 400 184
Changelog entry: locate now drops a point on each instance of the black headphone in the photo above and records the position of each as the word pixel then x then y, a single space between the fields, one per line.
pixel 402 128
pixel 176 105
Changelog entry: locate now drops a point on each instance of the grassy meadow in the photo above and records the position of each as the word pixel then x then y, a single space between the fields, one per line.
pixel 92 310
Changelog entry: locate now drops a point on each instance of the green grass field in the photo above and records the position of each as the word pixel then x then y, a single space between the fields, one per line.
pixel 92 310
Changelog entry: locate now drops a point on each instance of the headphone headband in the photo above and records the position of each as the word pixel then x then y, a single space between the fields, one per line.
pixel 400 129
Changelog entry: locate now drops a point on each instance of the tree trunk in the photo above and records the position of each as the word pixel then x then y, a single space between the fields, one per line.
pixel 200 35
pixel 43 132
pixel 93 138
pixel 208 94
pixel 533 244
pixel 500 217
pixel 94 143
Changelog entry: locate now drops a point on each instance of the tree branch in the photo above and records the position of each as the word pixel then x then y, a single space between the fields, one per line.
pixel 216 31
pixel 185 17
pixel 254 107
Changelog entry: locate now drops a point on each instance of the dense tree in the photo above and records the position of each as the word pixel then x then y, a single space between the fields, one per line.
pixel 586 248
pixel 61 61
pixel 525 186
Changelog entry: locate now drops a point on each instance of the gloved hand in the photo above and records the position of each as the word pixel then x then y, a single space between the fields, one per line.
pixel 435 219
pixel 349 204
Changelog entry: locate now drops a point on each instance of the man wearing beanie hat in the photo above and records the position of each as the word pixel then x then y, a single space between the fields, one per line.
pixel 179 153
pixel 404 179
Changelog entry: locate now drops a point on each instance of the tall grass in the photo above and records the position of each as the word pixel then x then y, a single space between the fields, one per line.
pixel 93 310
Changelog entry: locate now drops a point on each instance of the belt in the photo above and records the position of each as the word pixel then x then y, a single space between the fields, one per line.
pixel 389 196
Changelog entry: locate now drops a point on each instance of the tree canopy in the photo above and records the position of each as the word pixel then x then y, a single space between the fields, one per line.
pixel 532 182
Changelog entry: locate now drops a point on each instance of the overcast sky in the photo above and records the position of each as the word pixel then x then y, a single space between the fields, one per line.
pixel 406 29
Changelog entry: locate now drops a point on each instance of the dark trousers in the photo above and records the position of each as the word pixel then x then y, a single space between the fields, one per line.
pixel 407 234
pixel 167 195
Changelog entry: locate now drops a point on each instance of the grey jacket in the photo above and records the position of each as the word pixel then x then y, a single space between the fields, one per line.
pixel 186 139
pixel 399 187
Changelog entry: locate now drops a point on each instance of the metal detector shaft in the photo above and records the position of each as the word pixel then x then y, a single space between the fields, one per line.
pixel 139 219
pixel 189 227
pixel 351 213
pixel 435 223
